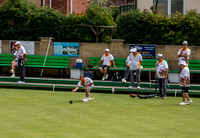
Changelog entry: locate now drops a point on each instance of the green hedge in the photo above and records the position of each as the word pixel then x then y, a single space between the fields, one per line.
pixel 147 28
pixel 24 20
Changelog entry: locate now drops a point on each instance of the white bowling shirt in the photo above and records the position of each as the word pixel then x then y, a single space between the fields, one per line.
pixel 20 52
pixel 161 68
pixel 185 72
pixel 135 61
pixel 107 60
pixel 86 82
pixel 181 51
pixel 128 61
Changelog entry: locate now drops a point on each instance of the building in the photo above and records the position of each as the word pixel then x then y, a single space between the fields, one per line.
pixel 64 6
pixel 164 6
pixel 80 6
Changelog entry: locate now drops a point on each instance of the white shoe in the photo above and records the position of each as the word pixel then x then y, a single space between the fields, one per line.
pixel 103 78
pixel 138 87
pixel 183 103
pixel 130 87
pixel 106 77
pixel 12 71
pixel 12 76
pixel 189 102
pixel 86 99
pixel 20 82
pixel 123 80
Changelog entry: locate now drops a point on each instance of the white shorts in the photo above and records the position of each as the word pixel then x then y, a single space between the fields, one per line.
pixel 90 88
pixel 16 63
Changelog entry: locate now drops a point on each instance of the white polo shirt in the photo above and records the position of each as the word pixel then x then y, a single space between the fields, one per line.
pixel 185 72
pixel 107 60
pixel 20 52
pixel 161 69
pixel 181 51
pixel 128 61
pixel 86 82
pixel 135 61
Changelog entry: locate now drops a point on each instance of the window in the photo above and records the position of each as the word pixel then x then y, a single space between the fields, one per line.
pixel 169 6
pixel 177 5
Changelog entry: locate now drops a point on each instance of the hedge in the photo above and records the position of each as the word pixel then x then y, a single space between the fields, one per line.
pixel 146 28
pixel 24 20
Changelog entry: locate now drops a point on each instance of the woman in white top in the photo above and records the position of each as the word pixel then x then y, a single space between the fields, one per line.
pixel 185 82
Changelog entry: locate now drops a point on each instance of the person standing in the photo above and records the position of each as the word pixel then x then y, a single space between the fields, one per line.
pixel 107 59
pixel 127 68
pixel 136 60
pixel 88 84
pixel 161 75
pixel 20 55
pixel 185 82
pixel 184 54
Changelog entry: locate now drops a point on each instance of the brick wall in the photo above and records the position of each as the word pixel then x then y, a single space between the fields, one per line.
pixel 38 2
pixel 80 6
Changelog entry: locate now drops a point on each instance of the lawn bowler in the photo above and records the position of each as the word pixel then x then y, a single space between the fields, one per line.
pixel 185 82
pixel 136 60
pixel 184 54
pixel 88 84
pixel 107 59
pixel 127 68
pixel 20 55
pixel 161 75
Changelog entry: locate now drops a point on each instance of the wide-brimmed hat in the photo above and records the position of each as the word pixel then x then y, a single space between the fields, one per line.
pixel 185 43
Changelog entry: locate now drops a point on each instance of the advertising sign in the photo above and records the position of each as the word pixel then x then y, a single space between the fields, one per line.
pixel 147 51
pixel 66 49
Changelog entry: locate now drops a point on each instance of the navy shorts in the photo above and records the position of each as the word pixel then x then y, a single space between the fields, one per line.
pixel 185 89
pixel 105 66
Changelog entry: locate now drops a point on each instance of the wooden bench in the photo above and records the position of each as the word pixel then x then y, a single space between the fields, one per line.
pixel 37 61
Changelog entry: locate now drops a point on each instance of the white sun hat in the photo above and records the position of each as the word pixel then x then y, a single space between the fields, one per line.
pixel 17 43
pixel 107 50
pixel 134 50
pixel 183 63
pixel 160 55
pixel 131 50
pixel 185 43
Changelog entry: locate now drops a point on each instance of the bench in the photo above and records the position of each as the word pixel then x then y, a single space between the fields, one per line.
pixel 194 66
pixel 148 64
pixel 37 61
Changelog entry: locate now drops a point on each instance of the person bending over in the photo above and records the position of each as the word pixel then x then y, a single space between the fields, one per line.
pixel 88 84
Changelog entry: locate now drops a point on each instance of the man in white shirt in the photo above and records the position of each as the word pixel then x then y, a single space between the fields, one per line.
pixel 136 60
pixel 184 54
pixel 20 55
pixel 127 68
pixel 161 75
pixel 88 84
pixel 107 59
pixel 185 82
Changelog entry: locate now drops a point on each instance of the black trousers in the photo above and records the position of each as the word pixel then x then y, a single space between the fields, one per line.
pixel 21 63
pixel 162 87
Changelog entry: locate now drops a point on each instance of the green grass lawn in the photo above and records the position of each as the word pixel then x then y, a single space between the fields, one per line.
pixel 39 114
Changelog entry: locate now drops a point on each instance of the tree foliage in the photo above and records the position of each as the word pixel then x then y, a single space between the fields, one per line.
pixel 24 20
pixel 148 28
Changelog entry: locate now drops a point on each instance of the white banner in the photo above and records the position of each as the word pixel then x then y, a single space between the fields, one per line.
pixel 28 45
pixel 0 46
